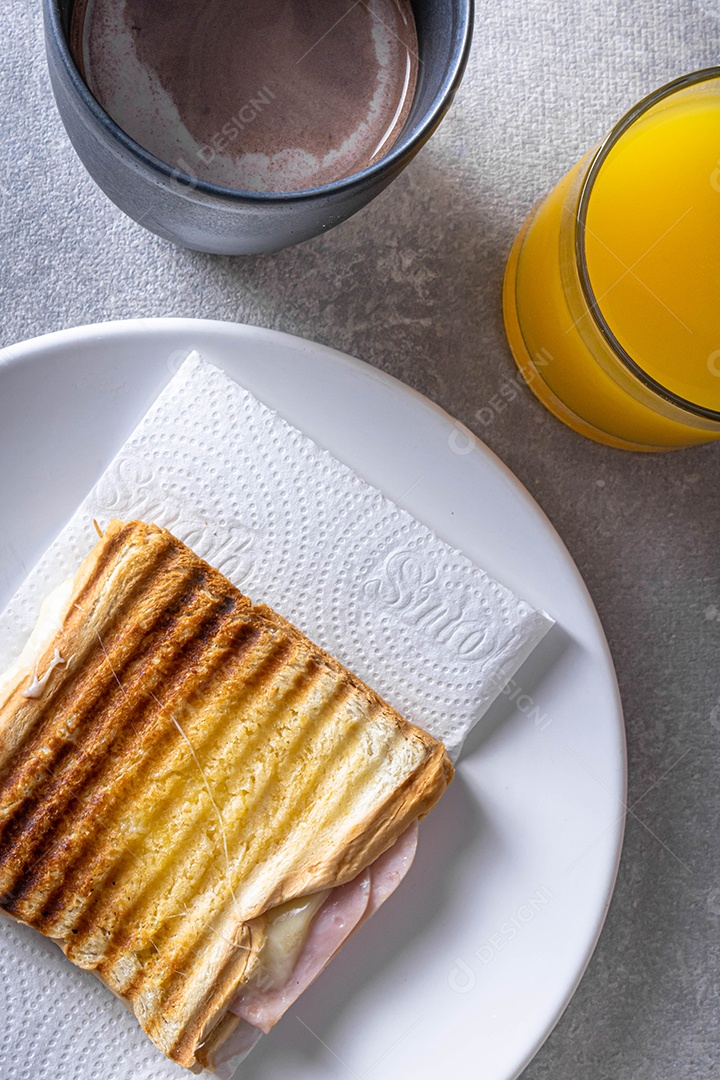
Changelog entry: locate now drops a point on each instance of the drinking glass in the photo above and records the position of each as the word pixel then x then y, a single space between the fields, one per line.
pixel 612 289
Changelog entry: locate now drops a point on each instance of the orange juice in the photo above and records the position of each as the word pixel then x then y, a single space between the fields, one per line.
pixel 612 291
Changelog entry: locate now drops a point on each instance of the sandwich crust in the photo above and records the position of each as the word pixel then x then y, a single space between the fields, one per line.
pixel 191 762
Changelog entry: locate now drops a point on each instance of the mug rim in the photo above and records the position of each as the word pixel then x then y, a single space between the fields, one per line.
pixel 399 151
pixel 600 156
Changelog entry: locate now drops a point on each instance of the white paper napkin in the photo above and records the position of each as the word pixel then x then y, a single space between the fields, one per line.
pixel 294 528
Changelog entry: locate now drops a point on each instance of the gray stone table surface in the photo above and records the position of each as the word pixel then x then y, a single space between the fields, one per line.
pixel 412 285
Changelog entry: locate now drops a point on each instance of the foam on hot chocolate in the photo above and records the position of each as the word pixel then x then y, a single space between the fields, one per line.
pixel 275 95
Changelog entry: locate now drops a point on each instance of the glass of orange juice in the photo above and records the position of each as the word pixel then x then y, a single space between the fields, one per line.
pixel 612 289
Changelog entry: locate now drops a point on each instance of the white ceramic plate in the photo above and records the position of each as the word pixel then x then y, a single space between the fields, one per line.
pixel 468 968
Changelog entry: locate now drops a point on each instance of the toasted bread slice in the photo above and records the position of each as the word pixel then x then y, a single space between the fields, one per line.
pixel 190 762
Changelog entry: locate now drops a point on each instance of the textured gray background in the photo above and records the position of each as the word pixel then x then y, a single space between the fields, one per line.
pixel 412 285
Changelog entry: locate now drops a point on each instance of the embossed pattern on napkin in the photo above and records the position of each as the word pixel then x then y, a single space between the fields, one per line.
pixel 293 527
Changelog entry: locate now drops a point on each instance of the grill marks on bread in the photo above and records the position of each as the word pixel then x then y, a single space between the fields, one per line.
pixel 196 762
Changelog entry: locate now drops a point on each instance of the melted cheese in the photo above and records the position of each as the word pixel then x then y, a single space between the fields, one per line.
pixel 52 612
pixel 37 686
pixel 287 930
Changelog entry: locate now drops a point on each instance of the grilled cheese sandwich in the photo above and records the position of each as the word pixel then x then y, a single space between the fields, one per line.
pixel 179 769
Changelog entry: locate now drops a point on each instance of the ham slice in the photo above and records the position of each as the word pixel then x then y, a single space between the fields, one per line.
pixel 334 922
pixel 235 1049
pixel 343 912
pixel 389 870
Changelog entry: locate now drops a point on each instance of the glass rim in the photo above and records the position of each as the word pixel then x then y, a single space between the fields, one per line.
pixel 586 190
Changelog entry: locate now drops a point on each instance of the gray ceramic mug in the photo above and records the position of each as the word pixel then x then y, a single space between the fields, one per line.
pixel 206 217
